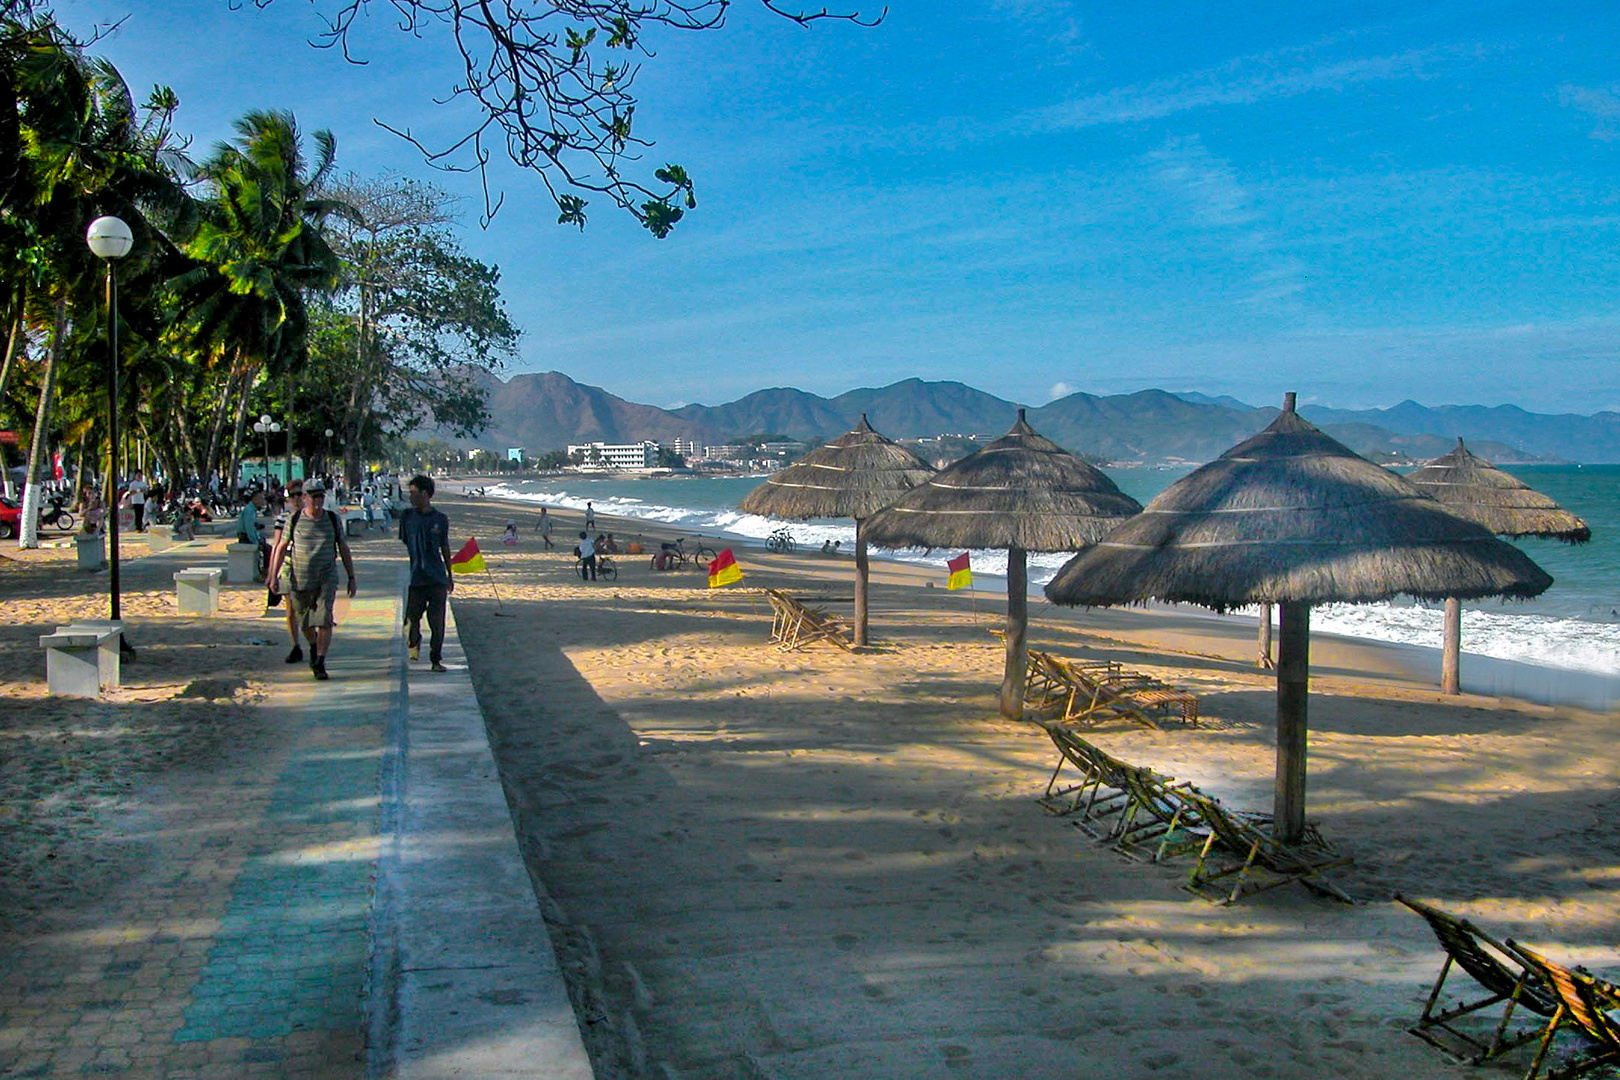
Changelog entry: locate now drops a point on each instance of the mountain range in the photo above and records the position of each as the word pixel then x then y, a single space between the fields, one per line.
pixel 547 411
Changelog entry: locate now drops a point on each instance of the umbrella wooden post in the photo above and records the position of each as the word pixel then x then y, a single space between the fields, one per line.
pixel 1264 659
pixel 861 569
pixel 1451 650
pixel 1293 688
pixel 1012 681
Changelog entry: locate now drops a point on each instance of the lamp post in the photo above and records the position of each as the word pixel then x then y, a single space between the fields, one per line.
pixel 264 427
pixel 109 238
pixel 326 452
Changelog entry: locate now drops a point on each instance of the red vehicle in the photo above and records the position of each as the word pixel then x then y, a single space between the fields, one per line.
pixel 10 519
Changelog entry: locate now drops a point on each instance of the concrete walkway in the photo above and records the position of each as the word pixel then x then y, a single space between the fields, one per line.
pixel 287 921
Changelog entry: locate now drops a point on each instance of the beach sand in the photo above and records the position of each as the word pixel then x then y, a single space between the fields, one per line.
pixel 830 864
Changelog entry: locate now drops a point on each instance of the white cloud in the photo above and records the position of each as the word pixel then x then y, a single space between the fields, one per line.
pixel 1602 103
pixel 1244 81
pixel 1060 390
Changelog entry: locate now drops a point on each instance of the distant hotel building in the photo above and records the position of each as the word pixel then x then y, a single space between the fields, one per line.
pixel 641 455
pixel 688 448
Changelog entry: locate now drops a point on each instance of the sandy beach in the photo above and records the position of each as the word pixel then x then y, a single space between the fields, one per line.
pixel 828 864
pixel 760 864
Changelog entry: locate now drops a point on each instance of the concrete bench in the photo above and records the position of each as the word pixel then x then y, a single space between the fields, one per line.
pixel 197 590
pixel 354 522
pixel 243 564
pixel 159 538
pixel 82 660
pixel 92 550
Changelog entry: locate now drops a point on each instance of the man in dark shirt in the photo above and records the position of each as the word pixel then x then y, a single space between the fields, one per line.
pixel 426 534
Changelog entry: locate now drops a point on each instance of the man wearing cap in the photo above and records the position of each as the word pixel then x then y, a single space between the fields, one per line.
pixel 305 563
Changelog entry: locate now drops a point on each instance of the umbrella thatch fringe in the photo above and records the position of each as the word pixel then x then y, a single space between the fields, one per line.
pixel 850 477
pixel 1023 490
pixel 1293 515
pixel 1472 487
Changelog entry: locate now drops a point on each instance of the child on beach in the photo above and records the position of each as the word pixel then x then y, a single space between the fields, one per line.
pixel 509 538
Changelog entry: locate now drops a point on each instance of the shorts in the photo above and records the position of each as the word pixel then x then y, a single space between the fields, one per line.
pixel 313 607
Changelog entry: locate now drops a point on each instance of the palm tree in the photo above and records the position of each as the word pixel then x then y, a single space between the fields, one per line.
pixel 259 250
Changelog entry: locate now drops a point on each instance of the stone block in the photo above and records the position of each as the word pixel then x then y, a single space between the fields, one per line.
pixel 159 538
pixel 81 660
pixel 92 550
pixel 243 563
pixel 197 590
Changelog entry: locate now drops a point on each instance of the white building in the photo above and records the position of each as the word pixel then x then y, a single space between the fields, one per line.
pixel 641 455
pixel 687 448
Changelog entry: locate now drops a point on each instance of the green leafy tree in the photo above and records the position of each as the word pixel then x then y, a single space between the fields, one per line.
pixel 426 320
pixel 259 252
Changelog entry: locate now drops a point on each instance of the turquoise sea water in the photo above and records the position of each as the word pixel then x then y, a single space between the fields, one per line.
pixel 1575 624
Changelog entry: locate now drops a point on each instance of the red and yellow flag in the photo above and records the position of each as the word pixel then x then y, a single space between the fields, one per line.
pixel 469 560
pixel 724 570
pixel 961 574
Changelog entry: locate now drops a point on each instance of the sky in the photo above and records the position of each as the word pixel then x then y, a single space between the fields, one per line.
pixel 1364 202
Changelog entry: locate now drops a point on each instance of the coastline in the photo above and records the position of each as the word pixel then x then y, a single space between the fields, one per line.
pixel 1233 635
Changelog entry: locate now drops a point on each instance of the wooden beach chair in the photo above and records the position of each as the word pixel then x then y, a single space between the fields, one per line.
pixel 795 626
pixel 1264 862
pixel 1099 791
pixel 1088 693
pixel 1500 973
pixel 1159 817
pixel 1583 1002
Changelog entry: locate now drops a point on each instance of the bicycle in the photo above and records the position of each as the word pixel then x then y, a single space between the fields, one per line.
pixel 606 568
pixel 781 542
pixel 678 554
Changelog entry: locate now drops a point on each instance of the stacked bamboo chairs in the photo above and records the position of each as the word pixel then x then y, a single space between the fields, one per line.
pixel 1144 814
pixel 795 626
pixel 1087 693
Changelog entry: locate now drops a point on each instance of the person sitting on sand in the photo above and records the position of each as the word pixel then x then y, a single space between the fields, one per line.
pixel 606 545
pixel 509 538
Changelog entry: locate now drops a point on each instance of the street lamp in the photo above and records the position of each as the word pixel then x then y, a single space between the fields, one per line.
pixel 109 238
pixel 264 427
pixel 326 452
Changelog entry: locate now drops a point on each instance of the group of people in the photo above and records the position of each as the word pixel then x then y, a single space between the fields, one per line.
pixel 301 556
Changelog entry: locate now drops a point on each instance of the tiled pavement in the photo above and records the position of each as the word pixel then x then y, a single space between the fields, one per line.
pixel 245 943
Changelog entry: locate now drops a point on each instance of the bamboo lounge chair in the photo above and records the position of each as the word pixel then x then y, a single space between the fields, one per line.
pixel 1094 692
pixel 1160 816
pixel 1496 970
pixel 1100 790
pixel 1584 1003
pixel 1266 862
pixel 795 626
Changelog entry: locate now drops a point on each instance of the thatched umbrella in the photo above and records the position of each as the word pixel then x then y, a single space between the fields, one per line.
pixel 850 477
pixel 1292 517
pixel 1023 493
pixel 1473 488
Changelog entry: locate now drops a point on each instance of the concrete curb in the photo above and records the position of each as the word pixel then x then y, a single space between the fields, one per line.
pixel 465 982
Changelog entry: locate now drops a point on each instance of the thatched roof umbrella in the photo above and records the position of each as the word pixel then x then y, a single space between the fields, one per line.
pixel 1473 488
pixel 850 477
pixel 1294 518
pixel 1023 493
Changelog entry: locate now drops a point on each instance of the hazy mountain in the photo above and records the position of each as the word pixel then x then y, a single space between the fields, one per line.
pixel 548 411
pixel 1227 400
pixel 1569 435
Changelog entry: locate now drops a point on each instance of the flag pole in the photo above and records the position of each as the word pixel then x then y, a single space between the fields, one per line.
pixel 499 610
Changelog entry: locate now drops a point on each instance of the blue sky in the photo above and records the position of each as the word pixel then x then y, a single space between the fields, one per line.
pixel 1359 201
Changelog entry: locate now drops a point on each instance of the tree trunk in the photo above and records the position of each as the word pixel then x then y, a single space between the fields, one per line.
pixel 222 411
pixel 1264 659
pixel 1293 690
pixel 28 533
pixel 862 572
pixel 5 377
pixel 1451 650
pixel 236 434
pixel 78 472
pixel 1012 679
pixel 178 408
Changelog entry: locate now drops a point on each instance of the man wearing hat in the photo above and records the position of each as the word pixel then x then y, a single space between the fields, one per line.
pixel 305 563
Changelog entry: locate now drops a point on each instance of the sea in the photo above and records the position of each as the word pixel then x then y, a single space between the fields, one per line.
pixel 1575 625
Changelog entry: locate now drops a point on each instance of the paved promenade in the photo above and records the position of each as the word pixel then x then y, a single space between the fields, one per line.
pixel 294 890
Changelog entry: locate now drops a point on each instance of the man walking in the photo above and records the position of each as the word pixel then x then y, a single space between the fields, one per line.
pixel 587 557
pixel 309 549
pixel 426 535
pixel 137 488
